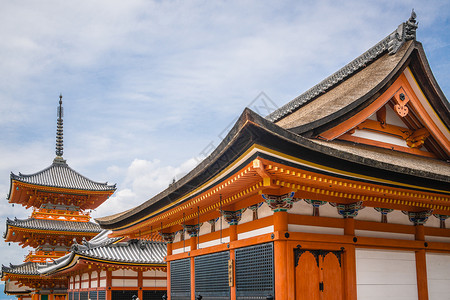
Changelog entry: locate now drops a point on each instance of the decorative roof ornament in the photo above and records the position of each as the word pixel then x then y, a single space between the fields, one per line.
pixel 59 131
pixel 405 32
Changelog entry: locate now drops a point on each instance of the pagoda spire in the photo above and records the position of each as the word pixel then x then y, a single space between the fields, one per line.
pixel 59 130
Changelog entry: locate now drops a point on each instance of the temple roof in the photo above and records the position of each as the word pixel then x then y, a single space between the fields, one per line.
pixel 53 225
pixel 28 268
pixel 110 250
pixel 252 129
pixel 60 175
pixel 291 131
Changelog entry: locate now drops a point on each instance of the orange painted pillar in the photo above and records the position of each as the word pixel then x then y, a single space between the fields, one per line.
pixel 50 297
pixel 108 284
pixel 233 233
pixel 421 266
pixel 350 272
pixel 193 243
pixel 192 279
pixel 168 280
pixel 280 220
pixel 169 249
pixel 349 226
pixel 140 285
pixel 233 288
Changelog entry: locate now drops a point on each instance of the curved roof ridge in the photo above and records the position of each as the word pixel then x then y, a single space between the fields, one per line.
pixel 60 175
pixel 391 43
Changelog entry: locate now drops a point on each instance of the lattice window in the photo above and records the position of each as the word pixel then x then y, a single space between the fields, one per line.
pixel 153 295
pixel 211 276
pixel 255 272
pixel 84 296
pixel 102 295
pixel 180 279
pixel 92 295
pixel 123 295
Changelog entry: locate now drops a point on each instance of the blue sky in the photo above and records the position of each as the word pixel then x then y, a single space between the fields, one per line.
pixel 149 85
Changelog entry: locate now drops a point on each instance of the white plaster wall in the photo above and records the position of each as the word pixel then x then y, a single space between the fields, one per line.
pixel 94 275
pixel 77 282
pixel 103 274
pixel 130 273
pixel 440 239
pixel 433 222
pixel 103 283
pixel 380 137
pixel 256 232
pixel 264 211
pixel 368 214
pixel 205 228
pixel 327 210
pixel 154 273
pixel 387 275
pixel 94 283
pixel 438 275
pixel 177 237
pixel 301 208
pixel 124 282
pixel 397 217
pixel 181 250
pixel 154 283
pixel 84 276
pixel 247 216
pixel 387 235
pixel 214 242
pixel 315 229
pixel 85 284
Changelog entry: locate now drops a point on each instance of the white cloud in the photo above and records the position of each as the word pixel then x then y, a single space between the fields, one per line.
pixel 143 180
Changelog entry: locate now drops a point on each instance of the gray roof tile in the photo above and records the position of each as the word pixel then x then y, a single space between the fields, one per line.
pixel 60 175
pixel 54 225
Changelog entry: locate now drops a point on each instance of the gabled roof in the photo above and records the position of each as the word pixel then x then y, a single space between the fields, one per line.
pixel 60 175
pixel 52 225
pixel 109 250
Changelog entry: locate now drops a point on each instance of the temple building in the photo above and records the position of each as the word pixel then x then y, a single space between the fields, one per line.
pixel 110 268
pixel 60 199
pixel 342 193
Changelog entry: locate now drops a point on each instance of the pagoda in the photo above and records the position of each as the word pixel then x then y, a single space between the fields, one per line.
pixel 60 199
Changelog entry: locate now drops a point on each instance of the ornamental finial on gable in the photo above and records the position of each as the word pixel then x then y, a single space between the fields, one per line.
pixel 405 32
pixel 411 26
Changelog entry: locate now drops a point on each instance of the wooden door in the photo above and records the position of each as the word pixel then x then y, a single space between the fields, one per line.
pixel 318 275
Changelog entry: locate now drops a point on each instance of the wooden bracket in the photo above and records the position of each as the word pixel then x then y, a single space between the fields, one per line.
pixel 259 168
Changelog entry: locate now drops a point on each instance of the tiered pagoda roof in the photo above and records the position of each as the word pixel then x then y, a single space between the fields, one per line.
pixel 105 251
pixel 60 175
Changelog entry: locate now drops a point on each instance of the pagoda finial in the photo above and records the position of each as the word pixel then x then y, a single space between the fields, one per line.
pixel 59 129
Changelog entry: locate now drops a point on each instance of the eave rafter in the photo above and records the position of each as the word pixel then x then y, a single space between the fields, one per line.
pixel 318 186
pixel 36 281
pixel 29 195
pixel 244 183
pixel 35 238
